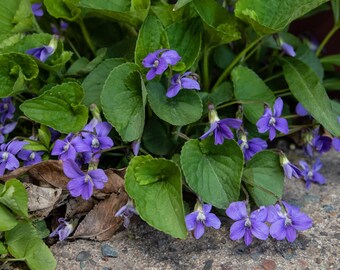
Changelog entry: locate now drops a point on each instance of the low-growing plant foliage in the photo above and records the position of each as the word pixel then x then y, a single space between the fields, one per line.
pixel 187 97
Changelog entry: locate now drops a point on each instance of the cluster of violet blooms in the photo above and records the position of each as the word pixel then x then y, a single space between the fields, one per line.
pixel 11 151
pixel 84 148
pixel 284 218
pixel 159 61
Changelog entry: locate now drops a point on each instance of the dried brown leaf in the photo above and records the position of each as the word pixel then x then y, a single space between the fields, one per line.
pixel 41 200
pixel 51 172
pixel 100 223
pixel 45 173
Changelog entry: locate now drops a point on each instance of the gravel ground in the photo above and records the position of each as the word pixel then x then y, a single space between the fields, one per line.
pixel 145 248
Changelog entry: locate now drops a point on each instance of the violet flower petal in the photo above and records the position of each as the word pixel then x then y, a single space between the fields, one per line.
pixel 212 221
pixel 259 229
pixel 190 220
pixel 199 230
pixel 71 169
pixel 237 230
pixel 237 210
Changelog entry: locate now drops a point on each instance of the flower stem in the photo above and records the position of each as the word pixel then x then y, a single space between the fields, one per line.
pixel 238 102
pixel 226 72
pixel 73 48
pixel 86 36
pixel 245 193
pixel 281 91
pixel 206 81
pixel 327 38
pixel 291 116
pixel 278 75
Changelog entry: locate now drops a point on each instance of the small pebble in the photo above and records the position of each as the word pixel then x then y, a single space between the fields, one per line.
pixel 328 208
pixel 83 256
pixel 208 264
pixel 240 249
pixel 269 265
pixel 108 251
pixel 255 255
pixel 337 236
pixel 288 254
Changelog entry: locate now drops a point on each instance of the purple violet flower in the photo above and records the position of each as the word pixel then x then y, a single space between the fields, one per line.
pixel 221 128
pixel 289 169
pixel 201 217
pixel 81 183
pixel 246 226
pixel 96 137
pixel 135 147
pixel 64 229
pixel 252 146
pixel 7 155
pixel 271 120
pixel 30 157
pixel 322 144
pixel 300 110
pixel 159 61
pixel 186 81
pixel 37 10
pixel 7 109
pixel 41 53
pixel 69 147
pixel 311 174
pixel 285 224
pixel 288 49
pixel 45 51
pixel 319 143
pixel 127 211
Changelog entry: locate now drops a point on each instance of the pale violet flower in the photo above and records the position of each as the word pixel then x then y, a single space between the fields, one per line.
pixel 246 226
pixel 200 218
pixel 159 61
pixel 287 221
pixel 271 120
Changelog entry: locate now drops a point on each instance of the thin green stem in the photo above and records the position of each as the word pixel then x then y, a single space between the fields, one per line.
pixel 245 193
pixel 278 75
pixel 73 48
pixel 285 94
pixel 238 102
pixel 181 135
pixel 250 54
pixel 226 72
pixel 276 92
pixel 206 81
pixel 12 260
pixel 86 36
pixel 111 149
pixel 291 116
pixel 327 38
